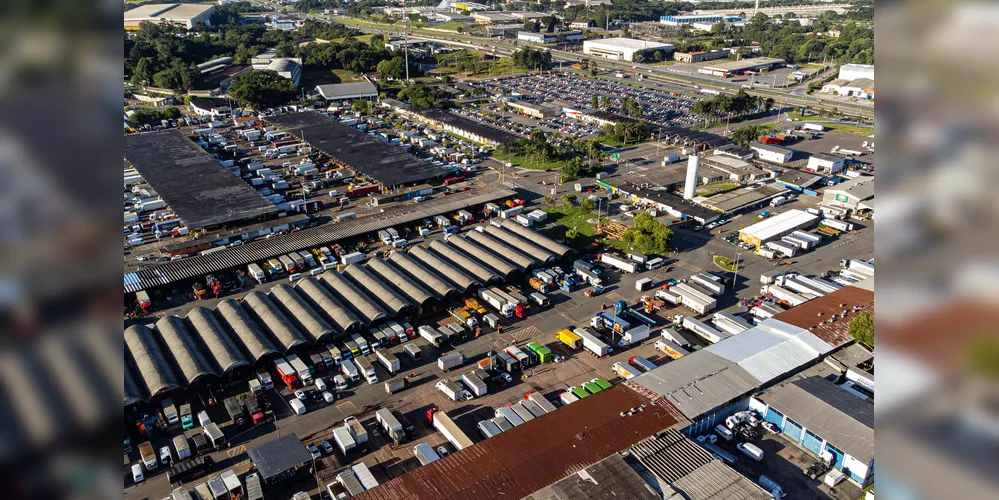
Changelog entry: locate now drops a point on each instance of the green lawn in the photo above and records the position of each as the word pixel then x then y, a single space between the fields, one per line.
pixel 851 129
pixel 721 187
pixel 619 144
pixel 724 263
pixel 529 162
pixel 450 25
pixel 318 76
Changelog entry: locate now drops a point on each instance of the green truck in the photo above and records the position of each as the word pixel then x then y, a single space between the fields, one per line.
pixel 579 392
pixel 544 353
pixel 602 382
pixel 592 387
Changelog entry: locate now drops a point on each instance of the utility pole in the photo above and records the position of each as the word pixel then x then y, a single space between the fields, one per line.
pixel 735 275
pixel 405 36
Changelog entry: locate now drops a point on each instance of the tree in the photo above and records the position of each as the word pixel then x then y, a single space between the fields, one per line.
pixel 572 170
pixel 750 133
pixel 568 199
pixel 595 102
pixel 261 89
pixel 862 328
pixel 361 105
pixel 143 73
pixel 588 204
pixel 571 234
pixel 648 235
pixel 549 201
pixel 423 96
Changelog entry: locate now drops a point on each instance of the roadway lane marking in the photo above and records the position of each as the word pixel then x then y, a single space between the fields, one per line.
pixel 346 406
pixel 234 452
pixel 688 267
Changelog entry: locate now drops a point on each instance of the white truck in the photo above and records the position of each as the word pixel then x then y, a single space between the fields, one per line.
pixel 784 295
pixel 858 266
pixel 453 391
pixel 450 360
pixel 592 342
pixel 623 264
pixel 391 425
pixel 475 384
pixel 624 370
pixel 300 369
pixel 349 371
pixel 837 224
pixel 447 427
pixel 356 430
pixel 389 361
pixel 362 343
pixel 170 411
pixel 716 287
pixel 431 335
pixel 364 475
pixel 702 330
pixel 542 402
pixel 182 447
pixel 257 273
pixel 488 428
pixel 489 296
pixel 634 336
pixel 343 439
pixel 367 371
pixel 729 323
pixel 425 454
pixel 510 415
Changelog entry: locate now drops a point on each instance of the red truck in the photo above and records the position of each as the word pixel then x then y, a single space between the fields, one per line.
pixel 770 140
pixel 363 190
pixel 287 373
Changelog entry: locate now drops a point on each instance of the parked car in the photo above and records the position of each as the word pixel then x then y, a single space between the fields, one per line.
pixel 300 395
pixel 327 447
pixel 315 452
pixel 328 396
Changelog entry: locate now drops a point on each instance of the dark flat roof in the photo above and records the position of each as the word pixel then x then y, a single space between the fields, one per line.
pixel 676 202
pixel 387 164
pixel 472 126
pixel 611 117
pixel 274 457
pixel 197 187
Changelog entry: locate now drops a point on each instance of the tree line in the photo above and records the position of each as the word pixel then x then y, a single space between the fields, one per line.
pixel 738 105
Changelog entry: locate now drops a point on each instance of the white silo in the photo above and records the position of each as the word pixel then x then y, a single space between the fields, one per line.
pixel 693 167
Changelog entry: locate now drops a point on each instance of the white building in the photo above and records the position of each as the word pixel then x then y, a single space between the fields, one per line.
pixel 855 71
pixel 825 163
pixel 287 67
pixel 776 227
pixel 772 153
pixel 621 49
pixel 861 87
pixel 344 92
pixel 186 15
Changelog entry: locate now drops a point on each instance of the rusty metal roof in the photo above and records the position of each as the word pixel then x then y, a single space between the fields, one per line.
pixel 521 461
pixel 815 315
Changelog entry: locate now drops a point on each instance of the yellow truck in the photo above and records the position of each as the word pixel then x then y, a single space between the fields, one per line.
pixel 473 304
pixel 570 339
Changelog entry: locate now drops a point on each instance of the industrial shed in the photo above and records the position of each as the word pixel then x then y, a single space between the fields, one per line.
pixel 194 363
pixel 247 330
pixel 436 285
pixel 225 350
pixel 274 320
pixel 549 244
pixel 133 390
pixel 392 300
pixel 493 246
pixel 470 266
pixel 324 301
pixel 512 241
pixel 151 361
pixel 299 311
pixel 451 272
pixel 416 293
pixel 491 260
pixel 366 308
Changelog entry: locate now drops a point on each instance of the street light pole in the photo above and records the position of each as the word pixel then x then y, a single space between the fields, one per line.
pixel 735 276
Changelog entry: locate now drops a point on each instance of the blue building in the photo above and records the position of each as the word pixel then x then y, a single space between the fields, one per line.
pixel 698 18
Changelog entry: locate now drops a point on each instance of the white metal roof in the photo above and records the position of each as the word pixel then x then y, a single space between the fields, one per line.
pixel 625 43
pixel 771 349
pixel 780 223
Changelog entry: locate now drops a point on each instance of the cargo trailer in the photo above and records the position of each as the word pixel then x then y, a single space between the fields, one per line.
pixel 453 391
pixel 450 430
pixel 784 295
pixel 541 401
pixel 567 397
pixel 704 331
pixel 510 415
pixel 425 454
pixel 710 285
pixel 694 299
pixel 475 384
pixel 522 412
pixel 622 264
pixel 569 338
pixel 671 349
pixel 634 336
pixel 391 425
pixel 624 370
pixel 364 475
pixel 532 407
pixel 389 361
pixel 765 310
pixel 450 361
pixel 488 428
pixel 592 342
pixel 641 363
pixel 729 323
pixel 503 424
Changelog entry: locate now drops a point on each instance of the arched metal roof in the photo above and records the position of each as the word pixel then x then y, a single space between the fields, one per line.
pixel 151 361
pixel 324 300
pixel 247 330
pixel 409 287
pixel 366 308
pixel 470 266
pixel 430 280
pixel 502 266
pixel 549 244
pixel 133 390
pixel 299 311
pixel 521 260
pixel 452 273
pixel 393 301
pixel 190 356
pixel 274 320
pixel 524 246
pixel 227 354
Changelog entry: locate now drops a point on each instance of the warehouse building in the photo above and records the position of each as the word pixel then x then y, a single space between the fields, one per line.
pixel 534 110
pixel 186 15
pixel 493 18
pixel 862 88
pixel 287 67
pixel 469 129
pixel 800 181
pixel 720 168
pixel 621 49
pixel 825 163
pixel 598 116
pixel 855 195
pixel 732 68
pixel 345 93
pixel 697 18
pixel 546 38
pixel 856 71
pixel 279 460
pixel 772 153
pixel 776 227
pixel 821 417
pixel 700 56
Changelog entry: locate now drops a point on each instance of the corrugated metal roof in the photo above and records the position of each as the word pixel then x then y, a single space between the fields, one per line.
pixel 494 246
pixel 223 348
pixel 817 404
pixel 698 382
pixel 274 320
pixel 134 391
pixel 469 265
pixel 409 288
pixel 502 266
pixel 451 272
pixel 609 479
pixel 246 329
pixel 816 315
pixel 717 481
pixel 256 251
pixel 150 359
pixel 323 300
pixel 311 323
pixel 512 242
pixel 537 453
pixel 193 361
pixel 670 455
pixel 770 349
pixel 366 308
pixel 393 301
pixel 429 279
pixel 536 238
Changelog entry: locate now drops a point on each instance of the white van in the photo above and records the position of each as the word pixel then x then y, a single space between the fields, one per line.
pixel 137 476
pixel 320 384
pixel 295 277
pixel 203 419
pixel 751 451
pixel 723 432
pixel 297 406
pixel 341 383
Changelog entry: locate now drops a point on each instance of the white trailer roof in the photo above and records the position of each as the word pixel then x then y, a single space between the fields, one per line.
pixel 780 223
